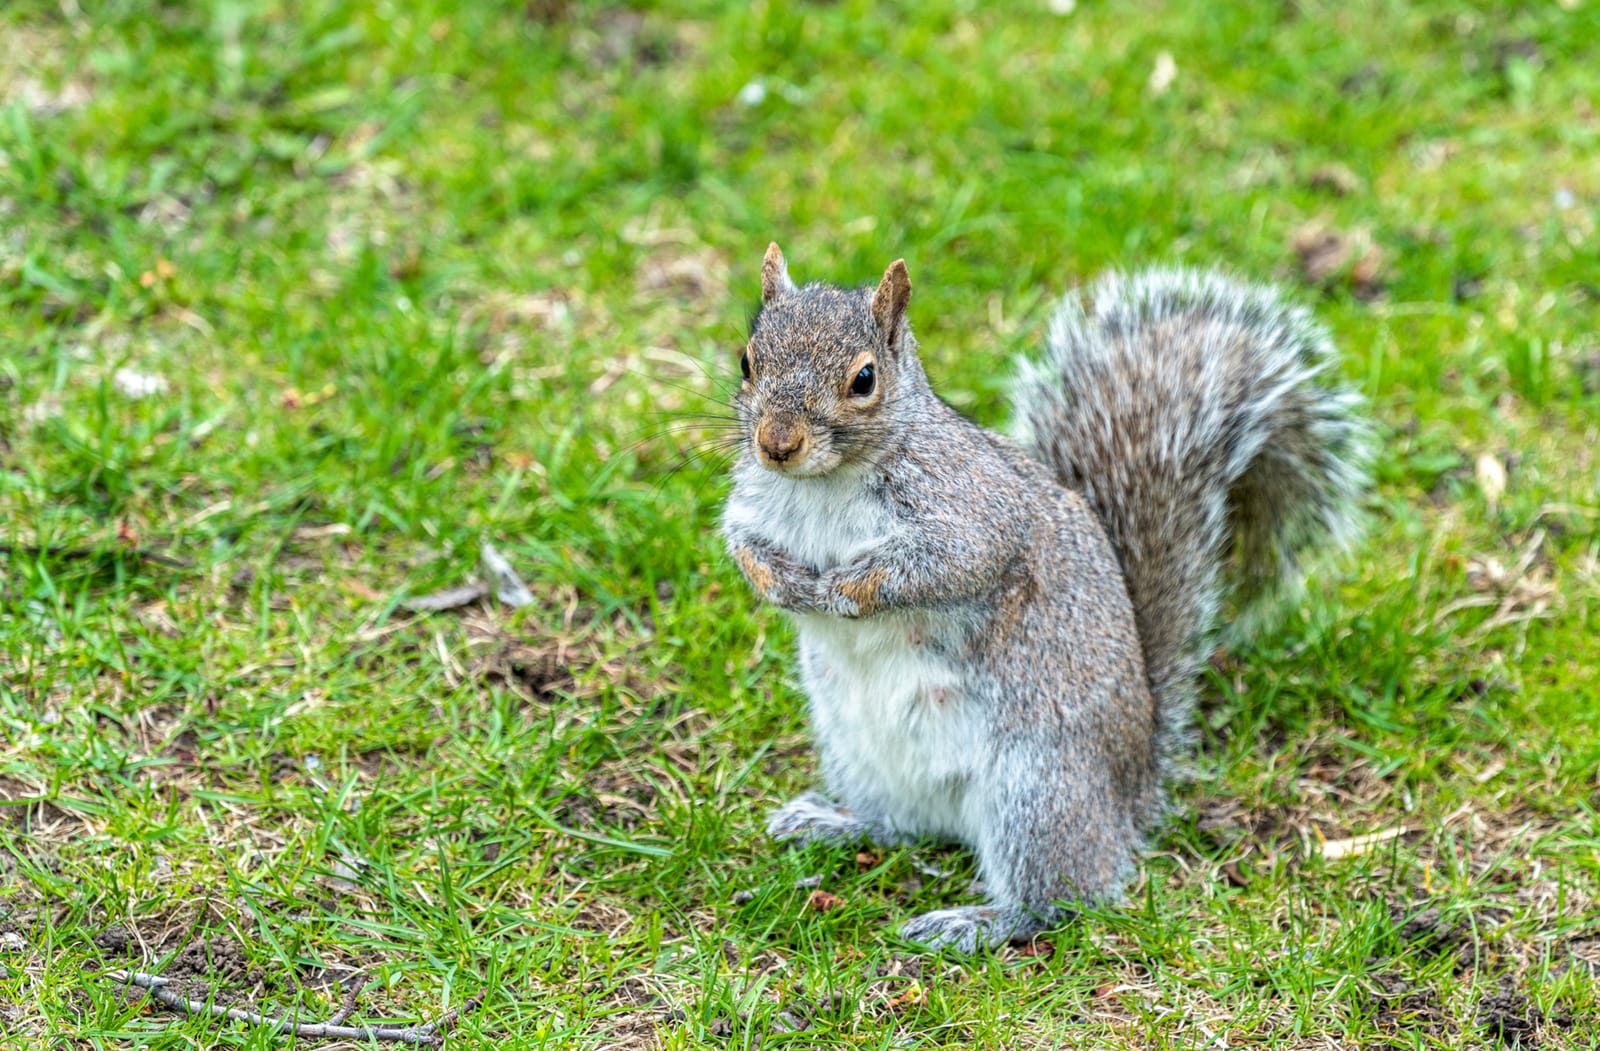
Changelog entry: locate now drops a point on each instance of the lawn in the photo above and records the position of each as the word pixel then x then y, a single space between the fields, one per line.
pixel 303 303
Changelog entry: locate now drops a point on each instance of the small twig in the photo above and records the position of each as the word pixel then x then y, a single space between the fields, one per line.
pixel 83 554
pixel 431 1034
pixel 348 1007
pixel 445 1022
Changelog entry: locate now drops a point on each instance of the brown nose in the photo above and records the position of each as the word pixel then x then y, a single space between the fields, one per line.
pixel 780 443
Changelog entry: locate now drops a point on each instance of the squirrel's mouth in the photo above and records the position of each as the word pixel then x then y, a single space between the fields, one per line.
pixel 785 444
pixel 811 459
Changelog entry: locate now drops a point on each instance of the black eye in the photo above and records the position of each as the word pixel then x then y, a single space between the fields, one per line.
pixel 744 364
pixel 861 386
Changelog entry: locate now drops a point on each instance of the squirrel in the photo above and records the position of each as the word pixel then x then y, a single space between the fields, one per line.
pixel 1000 638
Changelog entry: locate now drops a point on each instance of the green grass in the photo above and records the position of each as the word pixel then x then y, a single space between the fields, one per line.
pixel 419 276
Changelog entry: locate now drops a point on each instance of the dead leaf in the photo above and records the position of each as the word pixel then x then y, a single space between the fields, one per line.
pixel 326 531
pixel 914 995
pixel 1355 846
pixel 617 369
pixel 449 598
pixel 1330 257
pixel 822 901
pixel 293 398
pixel 361 590
pixel 508 587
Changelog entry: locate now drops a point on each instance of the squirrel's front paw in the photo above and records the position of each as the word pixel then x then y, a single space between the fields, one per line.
pixel 814 818
pixel 851 591
pixel 781 581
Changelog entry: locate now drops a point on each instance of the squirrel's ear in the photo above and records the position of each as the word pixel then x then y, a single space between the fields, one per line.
pixel 889 303
pixel 774 275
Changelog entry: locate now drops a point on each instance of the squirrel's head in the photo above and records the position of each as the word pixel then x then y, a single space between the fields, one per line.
pixel 822 370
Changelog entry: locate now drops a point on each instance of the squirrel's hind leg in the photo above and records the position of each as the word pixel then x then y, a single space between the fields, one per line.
pixel 1059 826
pixel 814 818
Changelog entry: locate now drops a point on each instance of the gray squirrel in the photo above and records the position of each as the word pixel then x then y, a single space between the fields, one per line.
pixel 1000 639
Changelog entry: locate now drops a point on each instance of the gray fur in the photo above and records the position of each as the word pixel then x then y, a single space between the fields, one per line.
pixel 979 666
pixel 1198 416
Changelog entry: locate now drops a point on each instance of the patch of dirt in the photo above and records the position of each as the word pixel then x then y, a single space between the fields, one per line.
pixel 1406 1012
pixel 1331 258
pixel 117 943
pixel 29 68
pixel 610 800
pixel 636 1011
pixel 1588 368
pixel 503 323
pixel 37 818
pixel 572 662
pixel 900 966
pixel 539 670
pixel 622 37
pixel 217 968
pixel 189 988
pixel 1507 50
pixel 1585 953
pixel 697 276
pixel 1230 823
pixel 599 916
pixel 1509 1019
pixel 578 655
pixel 1458 937
pixel 632 991
pixel 1334 178
pixel 215 957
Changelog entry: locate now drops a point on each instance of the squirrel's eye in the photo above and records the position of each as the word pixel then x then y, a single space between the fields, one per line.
pixel 861 386
pixel 744 364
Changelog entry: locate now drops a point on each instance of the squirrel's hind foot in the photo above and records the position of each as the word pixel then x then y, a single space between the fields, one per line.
pixel 971 927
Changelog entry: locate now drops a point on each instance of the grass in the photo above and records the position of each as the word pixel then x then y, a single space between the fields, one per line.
pixel 401 279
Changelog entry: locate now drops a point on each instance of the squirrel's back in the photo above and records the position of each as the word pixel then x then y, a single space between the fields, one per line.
pixel 1201 419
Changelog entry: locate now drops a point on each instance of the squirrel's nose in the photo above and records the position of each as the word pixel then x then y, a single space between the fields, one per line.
pixel 780 444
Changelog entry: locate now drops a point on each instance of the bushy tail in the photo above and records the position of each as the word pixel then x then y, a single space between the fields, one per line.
pixel 1202 420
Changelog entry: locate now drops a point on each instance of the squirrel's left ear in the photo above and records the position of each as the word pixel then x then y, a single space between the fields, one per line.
pixel 889 304
pixel 774 275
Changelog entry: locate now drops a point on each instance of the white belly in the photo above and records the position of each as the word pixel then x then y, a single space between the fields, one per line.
pixel 820 522
pixel 894 722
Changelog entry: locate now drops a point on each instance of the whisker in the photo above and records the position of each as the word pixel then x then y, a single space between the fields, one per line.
pixel 721 395
pixel 708 458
